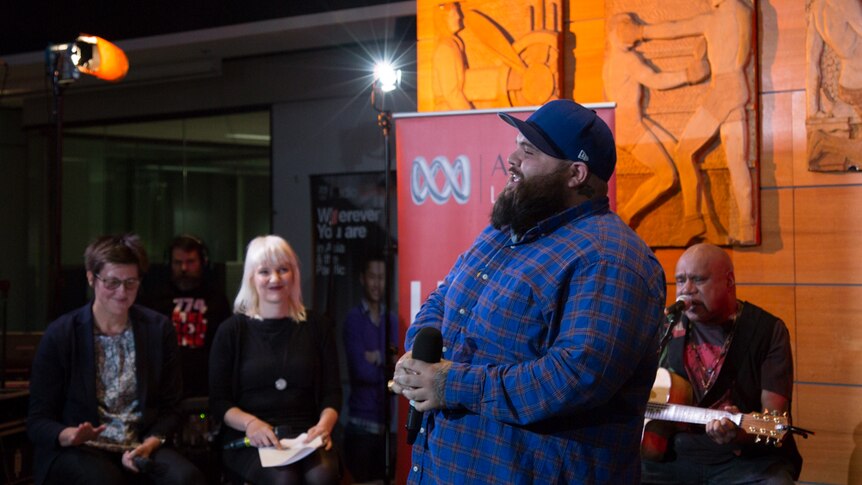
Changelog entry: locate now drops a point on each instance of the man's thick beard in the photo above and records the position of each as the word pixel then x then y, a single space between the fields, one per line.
pixel 530 202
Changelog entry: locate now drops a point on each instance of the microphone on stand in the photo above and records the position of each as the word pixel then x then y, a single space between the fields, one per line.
pixel 673 312
pixel 428 347
pixel 671 316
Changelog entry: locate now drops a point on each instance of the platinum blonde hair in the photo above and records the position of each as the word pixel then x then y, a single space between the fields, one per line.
pixel 275 251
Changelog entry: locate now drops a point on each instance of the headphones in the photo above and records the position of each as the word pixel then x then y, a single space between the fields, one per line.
pixel 188 242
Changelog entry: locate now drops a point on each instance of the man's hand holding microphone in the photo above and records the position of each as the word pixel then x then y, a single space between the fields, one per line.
pixel 420 376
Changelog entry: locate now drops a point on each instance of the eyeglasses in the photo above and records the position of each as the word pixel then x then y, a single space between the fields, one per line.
pixel 114 283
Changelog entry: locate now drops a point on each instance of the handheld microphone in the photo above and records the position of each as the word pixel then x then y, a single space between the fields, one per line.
pixel 427 347
pixel 147 466
pixel 244 442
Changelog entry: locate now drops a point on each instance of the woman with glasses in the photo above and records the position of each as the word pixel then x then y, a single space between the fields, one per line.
pixel 106 383
pixel 274 373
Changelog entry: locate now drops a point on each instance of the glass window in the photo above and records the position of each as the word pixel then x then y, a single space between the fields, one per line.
pixel 207 176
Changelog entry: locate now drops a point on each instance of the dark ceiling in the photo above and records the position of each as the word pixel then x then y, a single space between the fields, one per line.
pixel 34 24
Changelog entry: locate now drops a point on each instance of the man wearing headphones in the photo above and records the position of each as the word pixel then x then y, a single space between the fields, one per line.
pixel 195 304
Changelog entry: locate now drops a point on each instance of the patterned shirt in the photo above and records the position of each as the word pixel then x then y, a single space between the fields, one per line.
pixel 553 339
pixel 117 387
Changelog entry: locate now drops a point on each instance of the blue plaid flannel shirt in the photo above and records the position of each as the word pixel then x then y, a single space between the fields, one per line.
pixel 553 340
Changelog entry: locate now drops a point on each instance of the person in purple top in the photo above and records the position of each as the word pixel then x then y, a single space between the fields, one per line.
pixel 367 350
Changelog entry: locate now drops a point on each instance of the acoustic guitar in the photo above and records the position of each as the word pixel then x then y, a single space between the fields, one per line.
pixel 668 405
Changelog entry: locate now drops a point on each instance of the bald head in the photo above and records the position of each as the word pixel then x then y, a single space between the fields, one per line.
pixel 704 276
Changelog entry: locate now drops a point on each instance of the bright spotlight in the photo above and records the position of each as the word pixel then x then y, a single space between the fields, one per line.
pixel 386 77
pixel 90 55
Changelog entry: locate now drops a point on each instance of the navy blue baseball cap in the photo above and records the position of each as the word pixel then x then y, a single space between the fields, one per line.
pixel 564 129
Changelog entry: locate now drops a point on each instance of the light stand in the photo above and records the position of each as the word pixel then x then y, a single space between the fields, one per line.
pixel 383 83
pixel 64 64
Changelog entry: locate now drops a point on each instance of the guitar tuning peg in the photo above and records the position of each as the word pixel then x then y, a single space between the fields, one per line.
pixel 765 410
pixel 757 440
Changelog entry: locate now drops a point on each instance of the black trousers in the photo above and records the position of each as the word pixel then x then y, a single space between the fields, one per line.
pixel 319 468
pixel 86 466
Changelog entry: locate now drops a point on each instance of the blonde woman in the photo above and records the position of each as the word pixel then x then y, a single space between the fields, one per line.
pixel 274 371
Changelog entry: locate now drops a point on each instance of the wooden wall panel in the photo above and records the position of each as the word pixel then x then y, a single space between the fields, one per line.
pixel 773 260
pixel 777 300
pixel 829 329
pixel 834 409
pixel 668 257
pixel 828 226
pixel 776 144
pixel 835 414
pixel 782 45
pixel 829 458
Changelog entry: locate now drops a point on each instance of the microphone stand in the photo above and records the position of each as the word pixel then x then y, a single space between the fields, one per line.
pixel 384 121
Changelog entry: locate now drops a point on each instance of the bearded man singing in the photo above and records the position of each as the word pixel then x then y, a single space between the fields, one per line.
pixel 549 322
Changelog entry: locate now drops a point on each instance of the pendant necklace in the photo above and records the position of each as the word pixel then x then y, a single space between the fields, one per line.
pixel 708 375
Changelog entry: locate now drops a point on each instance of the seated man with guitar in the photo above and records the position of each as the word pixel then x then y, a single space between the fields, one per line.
pixel 737 360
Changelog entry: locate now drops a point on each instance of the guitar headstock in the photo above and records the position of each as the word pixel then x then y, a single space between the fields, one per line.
pixel 769 427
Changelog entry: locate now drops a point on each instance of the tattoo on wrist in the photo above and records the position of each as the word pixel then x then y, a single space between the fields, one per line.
pixel 440 383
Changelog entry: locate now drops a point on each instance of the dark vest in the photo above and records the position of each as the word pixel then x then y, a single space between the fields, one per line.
pixel 740 372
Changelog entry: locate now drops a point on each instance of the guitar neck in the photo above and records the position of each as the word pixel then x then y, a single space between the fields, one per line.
pixel 687 414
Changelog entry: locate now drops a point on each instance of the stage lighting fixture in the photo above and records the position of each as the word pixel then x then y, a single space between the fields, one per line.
pixel 64 64
pixel 386 80
pixel 386 77
pixel 90 55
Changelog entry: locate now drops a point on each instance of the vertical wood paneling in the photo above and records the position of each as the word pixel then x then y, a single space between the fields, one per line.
pixel 828 226
pixel 834 454
pixel 830 335
pixel 830 458
pixel 776 143
pixel 772 261
pixel 777 300
pixel 782 45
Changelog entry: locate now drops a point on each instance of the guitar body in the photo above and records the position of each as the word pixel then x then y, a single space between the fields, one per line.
pixel 666 409
pixel 668 388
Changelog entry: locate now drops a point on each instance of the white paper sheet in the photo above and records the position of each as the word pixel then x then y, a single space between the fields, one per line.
pixel 293 451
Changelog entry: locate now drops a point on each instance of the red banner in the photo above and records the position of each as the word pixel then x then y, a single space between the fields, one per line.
pixel 450 169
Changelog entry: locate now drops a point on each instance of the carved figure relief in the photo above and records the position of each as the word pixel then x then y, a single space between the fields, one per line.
pixel 669 116
pixel 489 54
pixel 834 85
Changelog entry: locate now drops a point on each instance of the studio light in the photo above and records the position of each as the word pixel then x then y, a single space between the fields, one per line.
pixel 386 80
pixel 90 55
pixel 64 63
pixel 386 77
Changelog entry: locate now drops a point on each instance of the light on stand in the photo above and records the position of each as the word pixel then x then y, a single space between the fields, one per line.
pixel 90 55
pixel 386 79
pixel 64 64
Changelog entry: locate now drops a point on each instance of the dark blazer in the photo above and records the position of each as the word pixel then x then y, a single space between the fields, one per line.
pixel 63 380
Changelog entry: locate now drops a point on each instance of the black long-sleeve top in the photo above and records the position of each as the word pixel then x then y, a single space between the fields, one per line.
pixel 281 371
